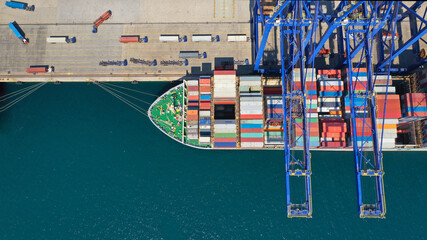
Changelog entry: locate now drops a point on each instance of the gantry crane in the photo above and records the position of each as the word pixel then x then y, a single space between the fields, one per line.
pixel 361 21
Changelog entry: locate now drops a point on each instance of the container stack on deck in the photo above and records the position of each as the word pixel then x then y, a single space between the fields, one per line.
pixel 205 110
pixel 414 106
pixel 311 107
pixel 332 125
pixel 363 128
pixel 251 118
pixel 273 110
pixel 193 110
pixel 225 100
pixel 389 120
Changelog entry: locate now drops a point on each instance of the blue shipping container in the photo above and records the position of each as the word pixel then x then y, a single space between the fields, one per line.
pixel 225 144
pixel 18 5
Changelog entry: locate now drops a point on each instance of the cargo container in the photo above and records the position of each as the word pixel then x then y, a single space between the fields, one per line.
pixel 60 39
pixel 40 69
pixel 19 5
pixel 201 38
pixel 132 38
pixel 172 38
pixel 237 38
pixel 18 32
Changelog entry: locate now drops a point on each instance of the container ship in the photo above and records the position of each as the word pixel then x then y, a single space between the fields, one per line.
pixel 226 111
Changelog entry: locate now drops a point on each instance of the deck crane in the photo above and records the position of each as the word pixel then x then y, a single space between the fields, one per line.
pixel 361 21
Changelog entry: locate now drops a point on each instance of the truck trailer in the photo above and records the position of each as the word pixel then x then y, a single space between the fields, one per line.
pixel 18 32
pixel 40 69
pixel 132 38
pixel 100 20
pixel 60 39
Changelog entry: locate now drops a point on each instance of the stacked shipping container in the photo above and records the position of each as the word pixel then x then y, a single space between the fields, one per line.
pixel 311 106
pixel 363 128
pixel 274 117
pixel 251 118
pixel 205 110
pixel 414 106
pixel 193 110
pixel 332 125
pixel 224 100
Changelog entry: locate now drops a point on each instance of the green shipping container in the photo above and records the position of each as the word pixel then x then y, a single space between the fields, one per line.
pixel 225 135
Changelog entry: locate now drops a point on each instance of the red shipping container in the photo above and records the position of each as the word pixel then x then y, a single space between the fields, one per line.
pixel 205 104
pixel 392 107
pixel 332 88
pixel 224 72
pixel 333 135
pixel 129 39
pixel 272 91
pixel 193 88
pixel 36 69
pixel 193 97
pixel 329 72
pixel 192 117
pixel 252 139
pixel 228 102
pixel 193 104
pixel 251 116
pixel 333 144
pixel 224 139
pixel 251 130
pixel 205 81
pixel 205 89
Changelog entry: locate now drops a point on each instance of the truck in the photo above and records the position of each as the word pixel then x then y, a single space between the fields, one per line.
pixel 237 38
pixel 172 38
pixel 19 5
pixel 132 38
pixel 18 32
pixel 192 54
pixel 100 20
pixel 40 69
pixel 60 39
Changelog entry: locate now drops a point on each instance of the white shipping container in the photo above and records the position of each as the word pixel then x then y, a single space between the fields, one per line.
pixel 335 100
pixel 248 108
pixel 192 83
pixel 225 130
pixel 249 84
pixel 193 93
pixel 205 113
pixel 383 89
pixel 247 112
pixel 192 137
pixel 252 144
pixel 169 38
pixel 388 121
pixel 223 126
pixel 202 38
pixel 257 103
pixel 205 140
pixel 205 127
pixel 58 39
pixel 237 38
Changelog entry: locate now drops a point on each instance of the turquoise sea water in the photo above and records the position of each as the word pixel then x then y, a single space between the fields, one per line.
pixel 76 163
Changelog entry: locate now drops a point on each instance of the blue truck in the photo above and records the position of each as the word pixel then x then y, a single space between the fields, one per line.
pixel 18 32
pixel 19 5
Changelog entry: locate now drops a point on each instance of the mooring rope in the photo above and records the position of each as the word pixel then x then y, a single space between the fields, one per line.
pixel 9 105
pixel 132 105
pixel 133 90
